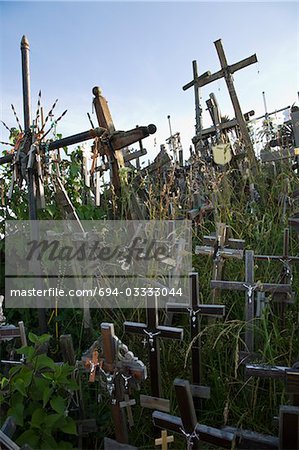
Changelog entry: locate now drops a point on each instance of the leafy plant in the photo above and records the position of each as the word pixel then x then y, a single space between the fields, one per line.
pixel 38 395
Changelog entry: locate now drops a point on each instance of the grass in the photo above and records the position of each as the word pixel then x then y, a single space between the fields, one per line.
pixel 234 401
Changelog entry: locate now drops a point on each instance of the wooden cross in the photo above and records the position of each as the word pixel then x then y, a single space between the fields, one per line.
pixel 220 246
pixel 195 310
pixel 164 440
pixel 290 376
pixel 249 286
pixel 117 365
pixel 127 403
pixel 286 273
pixel 8 332
pixel 152 331
pixel 116 141
pixel 187 425
pixel 226 72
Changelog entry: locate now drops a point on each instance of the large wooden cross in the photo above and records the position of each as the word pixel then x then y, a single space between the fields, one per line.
pixel 226 72
pixel 249 286
pixel 152 331
pixel 196 310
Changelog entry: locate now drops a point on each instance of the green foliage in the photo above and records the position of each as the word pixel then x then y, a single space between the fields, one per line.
pixel 38 395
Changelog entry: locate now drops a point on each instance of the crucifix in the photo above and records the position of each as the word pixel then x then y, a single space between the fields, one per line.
pixel 195 310
pixel 250 287
pixel 227 72
pixel 152 332
pixel 120 372
pixel 220 246
pixel 187 425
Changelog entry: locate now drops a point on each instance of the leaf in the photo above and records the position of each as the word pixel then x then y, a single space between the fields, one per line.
pixel 43 361
pixel 37 418
pixel 46 395
pixel 44 338
pixel 27 351
pixel 4 382
pixel 20 387
pixel 27 377
pixel 33 337
pixel 17 411
pixel 62 445
pixel 29 437
pixel 51 420
pixel 48 442
pixel 58 404
pixel 68 426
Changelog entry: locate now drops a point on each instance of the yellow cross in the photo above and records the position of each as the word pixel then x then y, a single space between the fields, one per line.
pixel 164 440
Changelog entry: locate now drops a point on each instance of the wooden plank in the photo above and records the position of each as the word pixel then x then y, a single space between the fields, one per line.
pixel 200 391
pixel 247 439
pixel 160 404
pixel 110 444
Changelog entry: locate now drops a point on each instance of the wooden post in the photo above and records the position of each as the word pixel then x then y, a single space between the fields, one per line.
pixel 198 110
pixel 25 49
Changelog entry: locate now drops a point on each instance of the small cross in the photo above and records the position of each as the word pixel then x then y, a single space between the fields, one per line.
pixel 92 364
pixel 164 440
pixel 127 403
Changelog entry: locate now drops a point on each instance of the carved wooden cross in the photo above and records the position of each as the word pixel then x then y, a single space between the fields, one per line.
pixel 226 72
pixel 152 331
pixel 249 286
pixel 187 424
pixel 196 310
pixel 220 247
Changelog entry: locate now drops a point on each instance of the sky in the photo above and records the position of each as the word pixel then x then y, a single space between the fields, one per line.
pixel 140 54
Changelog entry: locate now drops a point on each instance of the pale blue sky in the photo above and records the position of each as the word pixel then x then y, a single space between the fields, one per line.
pixel 141 55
